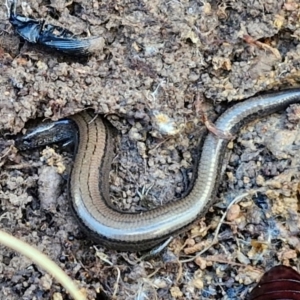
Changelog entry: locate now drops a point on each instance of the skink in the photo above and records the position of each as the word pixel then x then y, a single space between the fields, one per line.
pixel 89 180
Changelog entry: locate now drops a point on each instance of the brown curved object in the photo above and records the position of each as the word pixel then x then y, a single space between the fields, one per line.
pixel 280 282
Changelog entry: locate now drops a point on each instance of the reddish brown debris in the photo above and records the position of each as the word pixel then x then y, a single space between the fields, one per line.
pixel 280 282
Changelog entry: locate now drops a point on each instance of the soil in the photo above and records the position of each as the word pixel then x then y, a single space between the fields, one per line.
pixel 163 63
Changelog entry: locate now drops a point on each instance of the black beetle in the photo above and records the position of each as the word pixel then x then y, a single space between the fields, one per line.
pixel 51 36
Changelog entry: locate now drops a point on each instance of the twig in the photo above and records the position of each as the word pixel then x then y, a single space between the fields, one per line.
pixel 250 40
pixel 23 166
pixel 103 257
pixel 215 239
pixel 211 127
pixel 43 261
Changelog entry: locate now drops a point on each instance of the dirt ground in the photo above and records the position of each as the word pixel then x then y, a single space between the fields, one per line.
pixel 160 60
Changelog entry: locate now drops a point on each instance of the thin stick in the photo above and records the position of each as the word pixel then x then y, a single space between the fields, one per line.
pixel 43 261
pixel 215 239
